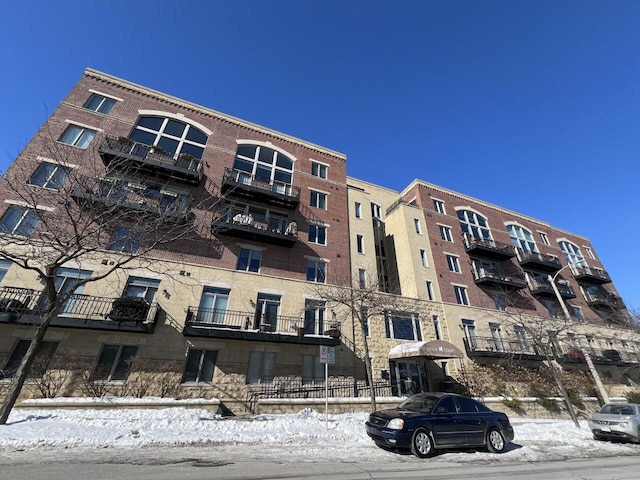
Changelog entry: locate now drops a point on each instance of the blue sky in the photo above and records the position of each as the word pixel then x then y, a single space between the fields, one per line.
pixel 533 106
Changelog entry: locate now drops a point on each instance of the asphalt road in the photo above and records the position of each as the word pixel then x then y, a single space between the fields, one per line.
pixel 190 463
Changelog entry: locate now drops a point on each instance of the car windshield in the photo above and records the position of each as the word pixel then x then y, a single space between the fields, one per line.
pixel 418 403
pixel 618 409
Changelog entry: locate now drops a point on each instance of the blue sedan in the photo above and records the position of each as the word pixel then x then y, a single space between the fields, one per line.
pixel 429 421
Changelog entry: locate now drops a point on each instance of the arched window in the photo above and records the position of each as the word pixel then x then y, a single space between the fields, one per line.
pixel 171 136
pixel 572 253
pixel 264 164
pixel 474 224
pixel 522 238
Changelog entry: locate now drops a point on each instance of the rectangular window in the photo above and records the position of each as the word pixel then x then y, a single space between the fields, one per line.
pixel 402 326
pixel 318 200
pixel 125 240
pixel 262 366
pixel 114 363
pixel 4 268
pixel 551 308
pixel 318 170
pixel 577 312
pixel 316 271
pixel 20 221
pixel 589 253
pixel 213 305
pixel 454 263
pixel 429 290
pixel 376 211
pixel 445 233
pixel 438 206
pixel 200 366
pixel 317 234
pixel 39 365
pixel 437 327
pixel 461 295
pixel 77 136
pixel 312 369
pixel 416 223
pixel 499 301
pixel 49 175
pixel 362 278
pixel 249 260
pixel 358 210
pixel 99 103
pixel 314 313
pixel 544 238
pixel 423 258
pixel 365 320
pixel 360 243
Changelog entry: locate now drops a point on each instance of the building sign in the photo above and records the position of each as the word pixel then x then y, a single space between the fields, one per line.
pixel 327 354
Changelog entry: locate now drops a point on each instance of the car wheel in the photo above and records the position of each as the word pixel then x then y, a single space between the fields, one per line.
pixel 597 437
pixel 421 443
pixel 495 441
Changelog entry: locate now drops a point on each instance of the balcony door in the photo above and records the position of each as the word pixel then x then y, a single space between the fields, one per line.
pixel 213 305
pixel 267 307
pixel 65 281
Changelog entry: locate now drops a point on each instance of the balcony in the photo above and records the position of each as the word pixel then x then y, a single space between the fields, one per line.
pixel 141 199
pixel 124 153
pixel 241 184
pixel 599 356
pixel 499 348
pixel 497 278
pixel 274 230
pixel 215 323
pixel 486 248
pixel 603 298
pixel 543 288
pixel 586 274
pixel 126 314
pixel 538 262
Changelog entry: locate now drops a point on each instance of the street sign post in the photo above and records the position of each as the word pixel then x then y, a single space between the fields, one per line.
pixel 327 356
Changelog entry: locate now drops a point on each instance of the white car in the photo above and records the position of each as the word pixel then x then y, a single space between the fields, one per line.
pixel 616 421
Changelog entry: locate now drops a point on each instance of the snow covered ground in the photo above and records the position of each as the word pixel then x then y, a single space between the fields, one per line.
pixel 294 437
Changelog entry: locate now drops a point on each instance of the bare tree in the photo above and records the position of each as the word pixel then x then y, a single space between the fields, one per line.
pixel 73 208
pixel 361 300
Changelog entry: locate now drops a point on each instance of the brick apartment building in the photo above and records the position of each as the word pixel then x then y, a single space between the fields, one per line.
pixel 231 307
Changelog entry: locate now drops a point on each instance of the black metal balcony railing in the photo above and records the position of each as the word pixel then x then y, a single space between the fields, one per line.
pixel 25 301
pixel 603 299
pixel 575 353
pixel 209 318
pixel 499 346
pixel 111 192
pixel 544 288
pixel 591 275
pixel 490 276
pixel 488 248
pixel 538 261
pixel 244 184
pixel 231 221
pixel 182 166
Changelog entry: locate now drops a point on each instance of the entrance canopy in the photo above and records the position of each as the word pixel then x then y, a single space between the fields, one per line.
pixel 432 349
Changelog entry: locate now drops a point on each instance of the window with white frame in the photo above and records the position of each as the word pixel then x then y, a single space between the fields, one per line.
pixel 453 262
pixel 576 311
pixel 438 206
pixel 437 328
pixel 572 253
pixel 521 337
pixel 140 287
pixel 416 224
pixel 314 316
pixel 423 258
pixel 317 234
pixel 402 326
pixel 49 175
pixel 360 243
pixel 77 136
pixel 522 238
pixel 376 210
pixel 114 362
pixel 496 335
pixel 544 238
pixel 265 165
pixel 318 200
pixel 445 233
pixel 99 103
pixel 213 305
pixel 316 271
pixel 590 253
pixel 358 210
pixel 429 286
pixel 200 366
pixel 261 368
pixel 125 240
pixel 474 224
pixel 249 260
pixel 169 136
pixel 469 329
pixel 461 295
pixel 19 220
pixel 362 278
pixel 318 169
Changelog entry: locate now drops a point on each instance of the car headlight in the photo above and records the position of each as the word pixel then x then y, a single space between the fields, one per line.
pixel 623 425
pixel 396 424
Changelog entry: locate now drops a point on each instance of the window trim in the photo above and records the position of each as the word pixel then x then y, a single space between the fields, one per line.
pixel 320 164
pixel 449 233
pixel 318 194
pixel 453 260
pixel 437 203
pixel 463 290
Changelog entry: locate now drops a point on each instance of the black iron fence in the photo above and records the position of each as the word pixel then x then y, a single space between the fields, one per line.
pixel 301 387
